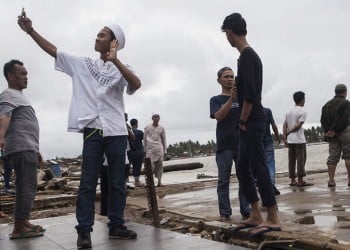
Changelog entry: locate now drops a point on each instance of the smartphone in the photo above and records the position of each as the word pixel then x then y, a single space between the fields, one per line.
pixel 23 13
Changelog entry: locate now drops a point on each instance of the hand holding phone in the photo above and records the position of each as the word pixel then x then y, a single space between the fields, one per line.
pixel 24 22
pixel 23 13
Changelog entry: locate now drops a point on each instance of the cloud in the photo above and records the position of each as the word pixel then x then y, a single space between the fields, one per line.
pixel 176 48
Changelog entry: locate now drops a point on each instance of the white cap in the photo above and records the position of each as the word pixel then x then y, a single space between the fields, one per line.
pixel 118 33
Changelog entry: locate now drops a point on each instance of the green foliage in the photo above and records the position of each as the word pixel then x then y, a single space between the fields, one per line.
pixel 190 149
pixel 314 134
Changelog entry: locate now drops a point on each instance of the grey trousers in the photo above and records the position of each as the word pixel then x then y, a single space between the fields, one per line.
pixel 157 168
pixel 25 164
pixel 296 157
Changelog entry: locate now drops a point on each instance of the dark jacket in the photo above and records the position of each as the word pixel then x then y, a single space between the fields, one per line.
pixel 335 114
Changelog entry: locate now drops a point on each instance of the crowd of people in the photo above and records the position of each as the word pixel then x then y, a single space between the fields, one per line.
pixel 110 145
pixel 243 136
pixel 97 110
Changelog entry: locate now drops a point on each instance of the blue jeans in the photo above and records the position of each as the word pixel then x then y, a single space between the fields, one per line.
pixel 251 163
pixel 136 160
pixel 270 160
pixel 7 175
pixel 95 146
pixel 104 190
pixel 224 161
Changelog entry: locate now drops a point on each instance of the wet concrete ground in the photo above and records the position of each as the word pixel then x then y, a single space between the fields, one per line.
pixel 317 212
pixel 60 235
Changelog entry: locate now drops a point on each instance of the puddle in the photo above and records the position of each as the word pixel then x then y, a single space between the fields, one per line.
pixel 325 222
pixel 303 211
pixel 342 208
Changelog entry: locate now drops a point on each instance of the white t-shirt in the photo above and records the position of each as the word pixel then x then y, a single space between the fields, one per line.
pixel 295 115
pixel 97 99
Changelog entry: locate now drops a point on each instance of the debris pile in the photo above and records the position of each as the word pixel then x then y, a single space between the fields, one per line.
pixel 60 176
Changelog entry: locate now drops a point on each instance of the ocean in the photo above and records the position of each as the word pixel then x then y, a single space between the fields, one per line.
pixel 317 154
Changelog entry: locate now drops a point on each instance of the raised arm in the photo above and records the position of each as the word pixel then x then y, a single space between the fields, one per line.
pixel 26 25
pixel 134 82
pixel 225 109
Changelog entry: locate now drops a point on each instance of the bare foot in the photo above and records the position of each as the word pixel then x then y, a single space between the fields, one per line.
pixel 270 223
pixel 36 228
pixel 253 219
pixel 139 184
pixel 25 234
pixel 265 227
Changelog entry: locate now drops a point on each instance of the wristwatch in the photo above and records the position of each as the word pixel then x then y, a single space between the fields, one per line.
pixel 241 122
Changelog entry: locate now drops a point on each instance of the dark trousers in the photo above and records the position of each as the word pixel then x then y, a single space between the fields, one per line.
pixel 7 173
pixel 251 163
pixel 136 160
pixel 296 156
pixel 94 147
pixel 104 187
pixel 104 190
pixel 25 164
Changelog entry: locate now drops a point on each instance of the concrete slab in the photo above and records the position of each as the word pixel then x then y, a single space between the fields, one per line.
pixel 60 234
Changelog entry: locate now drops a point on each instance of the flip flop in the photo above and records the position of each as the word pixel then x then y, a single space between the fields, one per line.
pixel 27 234
pixel 265 229
pixel 304 184
pixel 225 218
pixel 244 225
pixel 292 184
pixel 37 228
pixel 140 185
pixel 330 184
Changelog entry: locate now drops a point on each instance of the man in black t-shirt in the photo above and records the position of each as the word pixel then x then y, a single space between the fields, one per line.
pixel 251 158
pixel 225 109
pixel 136 153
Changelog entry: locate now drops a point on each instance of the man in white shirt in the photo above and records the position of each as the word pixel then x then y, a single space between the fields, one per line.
pixel 97 110
pixel 155 146
pixel 294 138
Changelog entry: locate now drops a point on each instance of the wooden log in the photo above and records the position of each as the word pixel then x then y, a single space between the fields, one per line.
pixel 151 193
pixel 182 166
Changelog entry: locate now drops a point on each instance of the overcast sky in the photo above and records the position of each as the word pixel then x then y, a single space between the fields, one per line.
pixel 176 47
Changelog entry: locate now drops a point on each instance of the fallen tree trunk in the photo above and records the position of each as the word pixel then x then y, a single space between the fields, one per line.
pixel 182 166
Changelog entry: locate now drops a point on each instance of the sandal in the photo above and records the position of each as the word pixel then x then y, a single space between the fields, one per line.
pixel 139 184
pixel 304 184
pixel 292 184
pixel 331 184
pixel 27 234
pixel 37 228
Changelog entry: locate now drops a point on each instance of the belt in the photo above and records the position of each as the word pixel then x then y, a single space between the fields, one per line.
pixel 100 131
